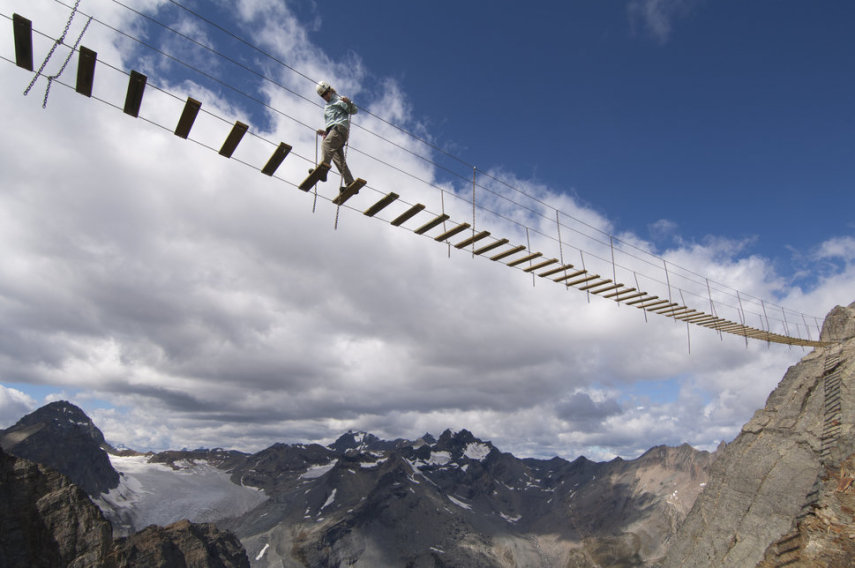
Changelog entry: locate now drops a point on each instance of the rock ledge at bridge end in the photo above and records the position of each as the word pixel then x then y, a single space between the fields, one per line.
pixel 839 324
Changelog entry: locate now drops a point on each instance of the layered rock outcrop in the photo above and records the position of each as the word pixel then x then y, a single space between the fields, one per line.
pixel 45 520
pixel 774 488
pixel 179 544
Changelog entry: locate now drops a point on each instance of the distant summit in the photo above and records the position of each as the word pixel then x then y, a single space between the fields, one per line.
pixel 366 442
pixel 61 436
pixel 358 441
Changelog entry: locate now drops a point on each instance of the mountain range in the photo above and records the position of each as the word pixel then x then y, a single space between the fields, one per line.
pixel 454 500
pixel 780 494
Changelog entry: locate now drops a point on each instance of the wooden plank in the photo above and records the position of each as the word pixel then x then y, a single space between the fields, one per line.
pixel 644 305
pixel 653 307
pixel 676 312
pixel 725 325
pixel 408 214
pixel 86 59
pixel 641 300
pixel 491 246
pixel 508 252
pixel 349 191
pixel 606 289
pixel 473 239
pixel 526 258
pixel 438 220
pixel 573 274
pixel 582 280
pixel 540 265
pixel 555 270
pixel 188 117
pixel 688 315
pixel 595 285
pixel 23 30
pixel 629 295
pixel 640 296
pixel 662 309
pixel 315 176
pixel 276 159
pixel 700 318
pixel 685 315
pixel 133 98
pixel 697 316
pixel 451 232
pixel 233 139
pixel 380 205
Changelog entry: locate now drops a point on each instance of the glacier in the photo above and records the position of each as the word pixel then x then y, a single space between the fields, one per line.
pixel 155 493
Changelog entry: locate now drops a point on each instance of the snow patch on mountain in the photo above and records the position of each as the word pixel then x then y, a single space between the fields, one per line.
pixel 476 451
pixel 511 519
pixel 438 458
pixel 460 503
pixel 330 500
pixel 317 471
pixel 154 493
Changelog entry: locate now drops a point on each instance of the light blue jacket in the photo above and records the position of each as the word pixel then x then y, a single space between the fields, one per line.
pixel 337 112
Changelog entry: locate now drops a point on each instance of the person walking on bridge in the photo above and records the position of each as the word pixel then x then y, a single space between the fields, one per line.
pixel 336 129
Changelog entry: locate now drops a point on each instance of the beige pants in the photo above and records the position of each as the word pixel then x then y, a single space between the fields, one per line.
pixel 333 148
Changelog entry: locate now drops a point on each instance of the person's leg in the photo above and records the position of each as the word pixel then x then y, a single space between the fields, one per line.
pixel 333 148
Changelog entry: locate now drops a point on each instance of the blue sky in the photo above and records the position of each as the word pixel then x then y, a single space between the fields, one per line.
pixel 184 300
pixel 717 116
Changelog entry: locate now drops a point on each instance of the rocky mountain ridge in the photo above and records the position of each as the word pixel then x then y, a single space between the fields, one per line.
pixel 454 500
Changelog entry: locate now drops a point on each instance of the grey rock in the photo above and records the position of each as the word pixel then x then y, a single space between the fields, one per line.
pixel 179 544
pixel 767 478
pixel 839 325
pixel 45 520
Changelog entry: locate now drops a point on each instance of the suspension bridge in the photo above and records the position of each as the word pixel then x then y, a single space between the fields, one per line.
pixel 657 296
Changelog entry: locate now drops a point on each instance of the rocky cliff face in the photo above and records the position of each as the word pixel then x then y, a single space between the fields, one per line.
pixel 46 521
pixel 179 544
pixel 781 492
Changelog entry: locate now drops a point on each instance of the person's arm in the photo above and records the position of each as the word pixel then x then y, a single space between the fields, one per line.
pixel 348 106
